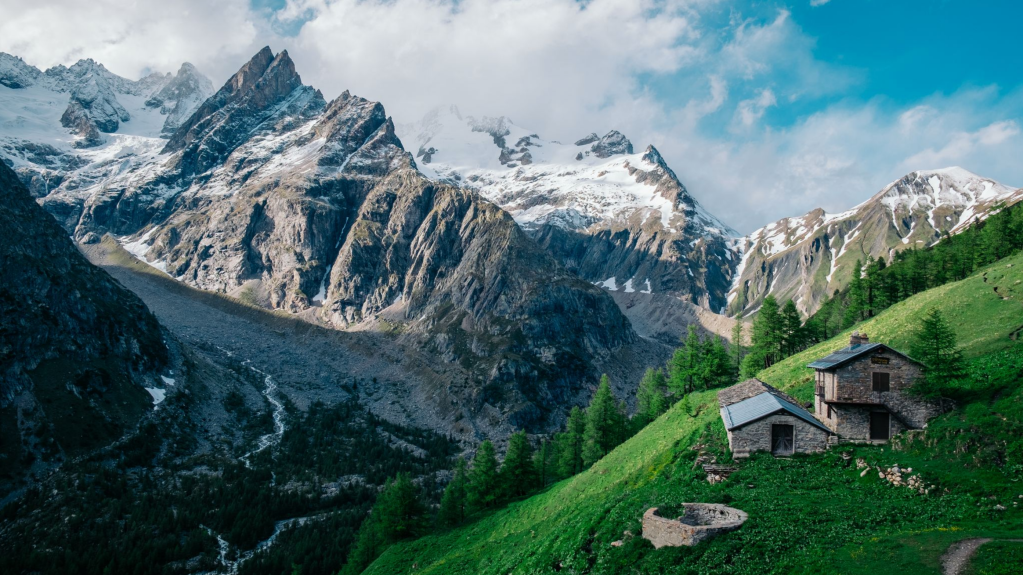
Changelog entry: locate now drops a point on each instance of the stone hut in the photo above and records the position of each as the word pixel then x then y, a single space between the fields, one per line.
pixel 861 392
pixel 759 417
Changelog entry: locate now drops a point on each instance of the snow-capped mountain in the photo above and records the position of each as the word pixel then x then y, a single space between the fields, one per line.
pixel 621 219
pixel 268 190
pixel 807 258
pixel 69 126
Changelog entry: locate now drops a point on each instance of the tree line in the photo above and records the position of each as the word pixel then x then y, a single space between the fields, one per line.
pixel 877 284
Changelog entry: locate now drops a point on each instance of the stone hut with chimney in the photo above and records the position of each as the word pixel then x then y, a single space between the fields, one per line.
pixel 862 392
pixel 758 417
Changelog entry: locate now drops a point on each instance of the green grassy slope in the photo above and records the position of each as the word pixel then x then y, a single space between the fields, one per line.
pixel 808 514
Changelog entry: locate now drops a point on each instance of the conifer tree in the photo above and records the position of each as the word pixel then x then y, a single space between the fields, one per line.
pixel 518 476
pixel 483 490
pixel 454 502
pixel 603 424
pixel 934 345
pixel 544 462
pixel 717 369
pixel 398 514
pixel 651 397
pixel 854 312
pixel 766 338
pixel 737 348
pixel 570 444
pixel 792 329
pixel 686 367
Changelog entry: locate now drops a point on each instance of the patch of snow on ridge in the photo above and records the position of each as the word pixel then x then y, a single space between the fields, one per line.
pixel 628 287
pixel 158 395
pixel 139 247
pixel 648 288
pixel 608 284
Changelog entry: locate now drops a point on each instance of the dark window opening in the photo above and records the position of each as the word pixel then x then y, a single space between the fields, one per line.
pixel 882 381
pixel 829 412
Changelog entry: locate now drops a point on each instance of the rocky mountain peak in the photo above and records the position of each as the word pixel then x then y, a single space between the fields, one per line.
pixel 279 80
pixel 611 144
pixel 15 73
pixel 180 95
pixel 245 103
pixel 250 72
pixel 586 140
pixel 347 124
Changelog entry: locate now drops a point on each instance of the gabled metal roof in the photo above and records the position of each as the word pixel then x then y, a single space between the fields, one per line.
pixel 760 406
pixel 850 353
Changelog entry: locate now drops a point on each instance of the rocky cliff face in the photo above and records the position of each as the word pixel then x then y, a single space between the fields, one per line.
pixel 76 348
pixel 807 258
pixel 273 194
pixel 619 219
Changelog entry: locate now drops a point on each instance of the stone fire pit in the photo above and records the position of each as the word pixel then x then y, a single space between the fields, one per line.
pixel 699 522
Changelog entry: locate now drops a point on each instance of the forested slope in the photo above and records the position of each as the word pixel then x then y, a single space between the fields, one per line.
pixel 818 513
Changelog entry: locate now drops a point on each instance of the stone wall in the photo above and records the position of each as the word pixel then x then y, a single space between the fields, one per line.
pixel 852 422
pixel 756 436
pixel 699 522
pixel 853 384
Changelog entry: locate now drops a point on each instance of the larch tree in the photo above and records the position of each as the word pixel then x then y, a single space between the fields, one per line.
pixel 935 346
pixel 604 424
pixel 570 443
pixel 651 397
pixel 518 475
pixel 483 490
pixel 454 502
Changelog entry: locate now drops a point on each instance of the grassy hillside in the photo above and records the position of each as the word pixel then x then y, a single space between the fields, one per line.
pixel 808 514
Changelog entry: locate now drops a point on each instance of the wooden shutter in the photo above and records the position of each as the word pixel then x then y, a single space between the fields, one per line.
pixel 882 381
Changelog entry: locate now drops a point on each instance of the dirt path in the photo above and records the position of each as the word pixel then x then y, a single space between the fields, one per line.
pixel 958 556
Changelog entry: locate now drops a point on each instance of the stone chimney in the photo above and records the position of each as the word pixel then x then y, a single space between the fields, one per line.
pixel 857 338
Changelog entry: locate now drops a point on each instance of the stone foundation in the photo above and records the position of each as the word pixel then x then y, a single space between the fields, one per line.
pixel 701 521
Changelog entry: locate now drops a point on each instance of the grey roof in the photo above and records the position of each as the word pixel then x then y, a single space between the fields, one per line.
pixel 760 406
pixel 850 353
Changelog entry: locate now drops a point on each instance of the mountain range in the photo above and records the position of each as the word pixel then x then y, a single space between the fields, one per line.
pixel 528 265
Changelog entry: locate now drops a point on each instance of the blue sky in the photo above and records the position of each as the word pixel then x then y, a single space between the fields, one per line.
pixel 764 109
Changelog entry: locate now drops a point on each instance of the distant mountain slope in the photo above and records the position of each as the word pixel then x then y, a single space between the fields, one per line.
pixel 590 523
pixel 271 193
pixel 806 259
pixel 617 217
pixel 76 348
pixel 70 128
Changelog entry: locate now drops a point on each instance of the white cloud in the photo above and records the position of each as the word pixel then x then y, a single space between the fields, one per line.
pixel 132 38
pixel 816 3
pixel 749 112
pixel 657 70
pixel 546 63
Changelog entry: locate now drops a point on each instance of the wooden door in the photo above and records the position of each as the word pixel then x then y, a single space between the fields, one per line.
pixel 782 439
pixel 880 424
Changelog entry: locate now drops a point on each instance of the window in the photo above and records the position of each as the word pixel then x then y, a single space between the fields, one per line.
pixel 829 412
pixel 882 381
